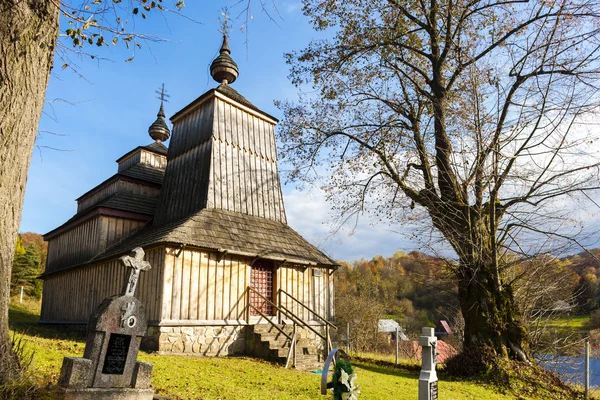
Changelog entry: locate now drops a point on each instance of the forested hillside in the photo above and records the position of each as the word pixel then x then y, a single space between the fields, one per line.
pixel 28 264
pixel 417 290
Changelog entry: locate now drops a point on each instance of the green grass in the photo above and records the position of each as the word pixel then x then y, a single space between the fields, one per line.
pixel 571 322
pixel 179 377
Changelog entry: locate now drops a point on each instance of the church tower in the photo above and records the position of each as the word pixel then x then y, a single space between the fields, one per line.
pixel 222 154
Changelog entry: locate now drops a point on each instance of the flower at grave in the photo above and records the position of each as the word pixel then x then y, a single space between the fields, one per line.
pixel 343 382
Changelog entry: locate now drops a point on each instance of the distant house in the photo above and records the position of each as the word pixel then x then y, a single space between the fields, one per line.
pixel 390 326
pixel 443 329
pixel 444 351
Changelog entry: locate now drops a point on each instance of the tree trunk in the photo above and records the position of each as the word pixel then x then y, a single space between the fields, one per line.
pixel 492 321
pixel 28 33
pixel 493 326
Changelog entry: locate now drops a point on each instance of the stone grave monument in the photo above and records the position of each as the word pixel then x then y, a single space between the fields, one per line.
pixel 109 368
pixel 428 381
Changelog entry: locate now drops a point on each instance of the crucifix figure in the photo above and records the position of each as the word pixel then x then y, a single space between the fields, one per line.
pixel 137 264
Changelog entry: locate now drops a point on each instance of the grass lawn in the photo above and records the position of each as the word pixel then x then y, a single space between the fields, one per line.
pixel 179 377
pixel 577 323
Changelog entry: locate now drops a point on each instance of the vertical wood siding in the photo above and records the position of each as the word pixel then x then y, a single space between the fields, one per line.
pixel 244 176
pixel 184 188
pixel 75 245
pixel 133 159
pixel 222 157
pixel 198 287
pixel 144 157
pixel 192 286
pixel 313 291
pixel 73 296
pixel 87 239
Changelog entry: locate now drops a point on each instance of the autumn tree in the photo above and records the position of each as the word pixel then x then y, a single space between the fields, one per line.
pixel 467 114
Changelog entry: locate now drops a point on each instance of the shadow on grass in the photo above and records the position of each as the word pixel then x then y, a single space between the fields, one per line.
pixel 24 320
pixel 385 370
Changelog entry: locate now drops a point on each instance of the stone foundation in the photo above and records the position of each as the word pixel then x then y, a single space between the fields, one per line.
pixel 211 341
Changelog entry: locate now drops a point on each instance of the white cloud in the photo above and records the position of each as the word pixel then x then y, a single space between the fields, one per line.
pixel 310 215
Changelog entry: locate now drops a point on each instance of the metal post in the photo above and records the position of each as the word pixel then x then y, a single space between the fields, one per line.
pixel 348 338
pixel 279 307
pixel 587 368
pixel 396 345
pixel 327 338
pixel 248 305
pixel 21 300
pixel 295 341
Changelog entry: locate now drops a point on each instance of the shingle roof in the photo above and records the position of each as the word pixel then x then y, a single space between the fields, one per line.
pixel 144 172
pixel 157 148
pixel 130 202
pixel 227 231
pixel 118 201
pixel 235 95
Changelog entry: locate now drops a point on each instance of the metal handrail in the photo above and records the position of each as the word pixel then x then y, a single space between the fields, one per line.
pixel 263 315
pixel 294 318
pixel 308 309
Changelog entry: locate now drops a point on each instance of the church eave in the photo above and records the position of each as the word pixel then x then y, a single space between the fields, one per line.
pixel 93 212
pixel 115 177
pixel 147 148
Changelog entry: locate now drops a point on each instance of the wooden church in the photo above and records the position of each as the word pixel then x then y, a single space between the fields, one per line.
pixel 209 214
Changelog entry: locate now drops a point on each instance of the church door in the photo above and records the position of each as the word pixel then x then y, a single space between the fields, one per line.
pixel 261 280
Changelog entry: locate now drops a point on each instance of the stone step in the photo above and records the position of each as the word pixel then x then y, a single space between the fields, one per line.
pixel 300 352
pixel 268 328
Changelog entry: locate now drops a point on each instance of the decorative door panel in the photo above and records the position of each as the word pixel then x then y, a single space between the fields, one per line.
pixel 261 280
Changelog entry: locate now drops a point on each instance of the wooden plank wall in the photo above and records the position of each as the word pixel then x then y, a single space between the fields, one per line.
pixel 114 229
pixel 153 159
pixel 80 243
pixel 117 186
pixel 198 287
pixel 72 296
pixel 144 157
pixel 313 291
pixel 133 159
pixel 75 245
pixel 184 188
pixel 95 197
pixel 244 177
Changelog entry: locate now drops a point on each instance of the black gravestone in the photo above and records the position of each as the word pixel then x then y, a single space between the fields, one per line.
pixel 116 354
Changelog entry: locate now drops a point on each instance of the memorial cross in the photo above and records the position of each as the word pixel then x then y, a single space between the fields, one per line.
pixel 137 264
pixel 428 381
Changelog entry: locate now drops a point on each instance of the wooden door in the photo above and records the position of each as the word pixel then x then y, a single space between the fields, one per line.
pixel 261 280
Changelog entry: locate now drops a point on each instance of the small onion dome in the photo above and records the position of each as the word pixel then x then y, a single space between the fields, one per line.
pixel 159 130
pixel 223 69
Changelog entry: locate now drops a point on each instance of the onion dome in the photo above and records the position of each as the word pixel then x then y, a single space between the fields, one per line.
pixel 223 69
pixel 159 131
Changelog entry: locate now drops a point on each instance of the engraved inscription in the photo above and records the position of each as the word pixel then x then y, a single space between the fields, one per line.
pixel 116 354
pixel 433 390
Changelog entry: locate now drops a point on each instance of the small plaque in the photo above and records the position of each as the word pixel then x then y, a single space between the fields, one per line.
pixel 116 354
pixel 433 390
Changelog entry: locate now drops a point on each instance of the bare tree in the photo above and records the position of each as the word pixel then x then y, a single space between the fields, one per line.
pixel 466 112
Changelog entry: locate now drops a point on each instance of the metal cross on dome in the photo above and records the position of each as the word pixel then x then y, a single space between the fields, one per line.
pixel 137 264
pixel 162 94
pixel 225 27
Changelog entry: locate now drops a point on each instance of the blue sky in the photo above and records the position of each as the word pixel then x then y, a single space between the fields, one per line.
pixel 105 112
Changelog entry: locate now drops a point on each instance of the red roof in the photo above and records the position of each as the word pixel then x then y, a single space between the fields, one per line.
pixel 444 350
